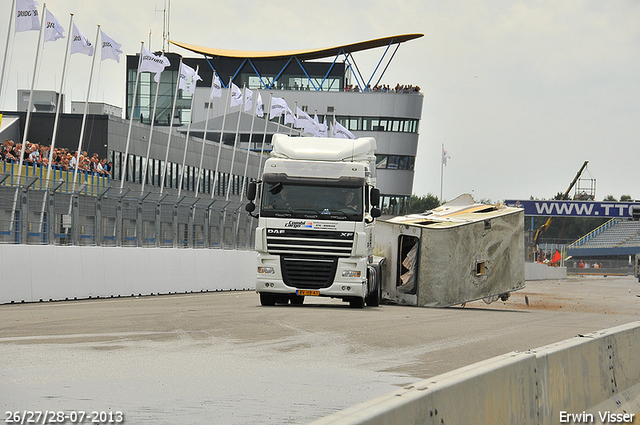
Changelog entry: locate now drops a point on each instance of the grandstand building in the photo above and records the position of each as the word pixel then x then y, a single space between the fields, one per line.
pixel 325 89
pixel 200 201
pixel 613 245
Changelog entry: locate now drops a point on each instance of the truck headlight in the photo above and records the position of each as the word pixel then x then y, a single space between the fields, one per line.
pixel 351 273
pixel 266 270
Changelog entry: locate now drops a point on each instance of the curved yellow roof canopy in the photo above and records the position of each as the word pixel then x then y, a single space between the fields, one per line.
pixel 300 54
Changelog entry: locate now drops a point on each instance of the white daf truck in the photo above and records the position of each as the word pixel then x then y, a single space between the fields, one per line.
pixel 317 206
pixel 316 235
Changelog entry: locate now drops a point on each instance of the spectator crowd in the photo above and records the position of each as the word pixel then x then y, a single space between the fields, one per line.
pixel 62 158
pixel 385 88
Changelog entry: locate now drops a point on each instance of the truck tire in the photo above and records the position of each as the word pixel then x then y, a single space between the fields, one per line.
pixel 356 303
pixel 297 299
pixel 373 300
pixel 374 297
pixel 267 299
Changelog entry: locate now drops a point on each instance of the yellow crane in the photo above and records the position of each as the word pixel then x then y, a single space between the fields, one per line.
pixel 565 196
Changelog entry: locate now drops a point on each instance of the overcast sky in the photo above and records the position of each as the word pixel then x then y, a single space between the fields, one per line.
pixel 519 93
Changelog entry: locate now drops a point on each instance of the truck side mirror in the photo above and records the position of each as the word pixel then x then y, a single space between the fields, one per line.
pixel 375 197
pixel 250 207
pixel 375 212
pixel 251 192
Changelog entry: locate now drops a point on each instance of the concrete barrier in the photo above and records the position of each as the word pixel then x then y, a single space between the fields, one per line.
pixel 538 271
pixel 34 272
pixel 595 377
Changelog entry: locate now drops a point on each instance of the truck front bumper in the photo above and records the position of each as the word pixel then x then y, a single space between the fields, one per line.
pixel 349 281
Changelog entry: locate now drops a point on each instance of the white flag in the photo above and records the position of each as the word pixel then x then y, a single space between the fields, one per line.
pixel 248 99
pixel 236 96
pixel 79 43
pixel 340 132
pixel 445 156
pixel 259 106
pixel 153 63
pixel 192 84
pixel 216 87
pixel 27 16
pixel 289 118
pixel 52 29
pixel 305 122
pixel 186 73
pixel 278 106
pixel 110 49
pixel 322 128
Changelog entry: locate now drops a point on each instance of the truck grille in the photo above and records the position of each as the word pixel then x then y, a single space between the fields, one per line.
pixel 309 242
pixel 309 258
pixel 308 273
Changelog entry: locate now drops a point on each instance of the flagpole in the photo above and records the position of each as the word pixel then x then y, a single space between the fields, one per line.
pixel 28 118
pixel 158 80
pixel 166 155
pixel 186 143
pixel 6 51
pixel 293 123
pixel 246 161
pixel 204 140
pixel 56 120
pixel 86 108
pixel 441 171
pixel 264 138
pixel 125 165
pixel 224 118
pixel 235 143
pixel 31 94
pixel 55 124
pixel 153 120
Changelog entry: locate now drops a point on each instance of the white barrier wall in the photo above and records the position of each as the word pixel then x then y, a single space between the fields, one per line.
pixel 537 271
pixel 33 272
pixel 593 375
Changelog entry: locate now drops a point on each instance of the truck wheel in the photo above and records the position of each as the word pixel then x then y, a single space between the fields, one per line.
pixel 356 303
pixel 282 299
pixel 297 299
pixel 267 299
pixel 373 300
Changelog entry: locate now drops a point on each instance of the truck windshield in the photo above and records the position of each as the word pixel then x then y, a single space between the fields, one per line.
pixel 309 201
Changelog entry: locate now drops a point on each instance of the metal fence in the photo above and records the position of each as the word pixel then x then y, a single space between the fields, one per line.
pixel 57 213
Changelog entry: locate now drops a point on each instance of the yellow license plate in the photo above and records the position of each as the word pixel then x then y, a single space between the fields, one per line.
pixel 307 292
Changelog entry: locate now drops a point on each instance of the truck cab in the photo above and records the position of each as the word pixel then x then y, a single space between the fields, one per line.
pixel 316 208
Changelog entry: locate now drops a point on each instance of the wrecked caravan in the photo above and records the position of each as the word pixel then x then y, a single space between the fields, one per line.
pixel 456 253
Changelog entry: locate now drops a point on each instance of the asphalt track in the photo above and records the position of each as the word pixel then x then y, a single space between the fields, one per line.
pixel 221 358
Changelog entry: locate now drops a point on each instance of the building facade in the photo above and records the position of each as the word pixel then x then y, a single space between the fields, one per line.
pixel 325 89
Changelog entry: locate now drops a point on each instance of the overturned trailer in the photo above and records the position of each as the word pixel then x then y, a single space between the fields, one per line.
pixel 459 252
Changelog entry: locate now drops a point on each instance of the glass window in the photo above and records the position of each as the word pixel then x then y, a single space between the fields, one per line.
pixel 392 162
pixel 137 171
pixel 143 170
pixel 117 165
pixel 381 161
pixel 289 199
pixel 176 174
pixel 156 172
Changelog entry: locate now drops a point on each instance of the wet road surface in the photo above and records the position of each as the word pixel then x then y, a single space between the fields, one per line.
pixel 221 358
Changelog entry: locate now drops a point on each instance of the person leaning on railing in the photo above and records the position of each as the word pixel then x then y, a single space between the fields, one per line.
pixel 61 159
